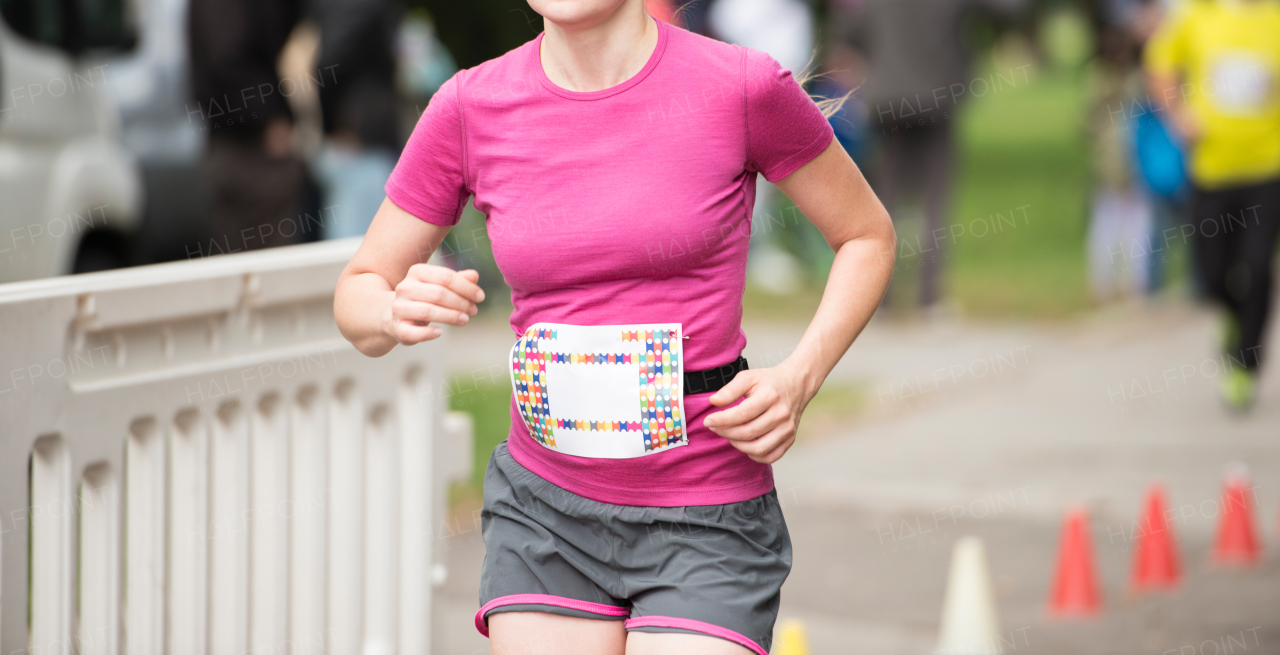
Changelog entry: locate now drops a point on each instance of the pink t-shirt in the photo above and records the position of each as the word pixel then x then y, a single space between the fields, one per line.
pixel 630 205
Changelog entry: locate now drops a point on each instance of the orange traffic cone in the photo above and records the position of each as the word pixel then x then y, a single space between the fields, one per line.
pixel 1155 562
pixel 1237 542
pixel 1075 583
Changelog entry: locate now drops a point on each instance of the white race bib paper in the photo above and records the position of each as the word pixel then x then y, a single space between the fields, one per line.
pixel 606 391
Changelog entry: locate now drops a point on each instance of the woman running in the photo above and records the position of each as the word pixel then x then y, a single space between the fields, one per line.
pixel 631 509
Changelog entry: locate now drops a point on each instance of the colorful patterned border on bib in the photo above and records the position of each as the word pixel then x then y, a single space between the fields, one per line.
pixel 661 423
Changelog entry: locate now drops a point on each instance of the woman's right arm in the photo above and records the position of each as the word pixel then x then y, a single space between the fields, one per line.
pixel 388 295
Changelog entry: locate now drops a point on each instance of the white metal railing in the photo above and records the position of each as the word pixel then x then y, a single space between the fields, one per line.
pixel 193 460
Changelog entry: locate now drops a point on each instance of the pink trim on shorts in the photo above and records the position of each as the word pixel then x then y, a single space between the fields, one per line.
pixel 545 599
pixel 694 626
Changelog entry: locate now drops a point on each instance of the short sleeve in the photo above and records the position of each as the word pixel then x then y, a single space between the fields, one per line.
pixel 428 181
pixel 785 128
pixel 1166 51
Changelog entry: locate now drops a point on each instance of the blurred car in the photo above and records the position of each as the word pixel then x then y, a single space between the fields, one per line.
pixel 99 159
pixel 70 194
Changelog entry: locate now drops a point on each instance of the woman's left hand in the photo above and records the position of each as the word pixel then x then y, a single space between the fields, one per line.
pixel 764 425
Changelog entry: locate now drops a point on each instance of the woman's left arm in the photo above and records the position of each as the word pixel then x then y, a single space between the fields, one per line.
pixel 832 193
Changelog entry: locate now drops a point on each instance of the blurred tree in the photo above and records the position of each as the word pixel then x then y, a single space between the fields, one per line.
pixel 1066 38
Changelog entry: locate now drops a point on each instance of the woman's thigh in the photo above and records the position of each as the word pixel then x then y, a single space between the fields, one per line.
pixel 542 633
pixel 680 643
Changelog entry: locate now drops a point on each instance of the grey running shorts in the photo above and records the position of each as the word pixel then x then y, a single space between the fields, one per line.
pixel 707 569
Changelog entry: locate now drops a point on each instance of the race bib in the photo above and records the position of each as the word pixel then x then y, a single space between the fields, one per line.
pixel 607 391
pixel 1242 84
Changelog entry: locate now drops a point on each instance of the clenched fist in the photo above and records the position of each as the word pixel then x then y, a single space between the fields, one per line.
pixel 432 294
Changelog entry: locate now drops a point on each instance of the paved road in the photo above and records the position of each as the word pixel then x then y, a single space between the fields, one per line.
pixel 995 431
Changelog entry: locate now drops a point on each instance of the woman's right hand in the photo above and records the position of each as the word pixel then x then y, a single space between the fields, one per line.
pixel 385 296
pixel 432 294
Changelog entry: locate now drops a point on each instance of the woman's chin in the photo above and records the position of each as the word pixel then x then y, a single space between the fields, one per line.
pixel 575 14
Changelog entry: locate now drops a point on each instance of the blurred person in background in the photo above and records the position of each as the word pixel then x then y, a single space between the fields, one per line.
pixel 918 72
pixel 841 76
pixel 1214 65
pixel 1120 224
pixel 1161 160
pixel 358 110
pixel 692 15
pixel 783 29
pixel 423 63
pixel 256 179
pixel 835 84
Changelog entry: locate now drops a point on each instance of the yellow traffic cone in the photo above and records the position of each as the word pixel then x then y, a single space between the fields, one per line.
pixel 791 639
pixel 970 625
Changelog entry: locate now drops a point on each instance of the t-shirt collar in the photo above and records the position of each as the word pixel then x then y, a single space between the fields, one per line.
pixel 536 62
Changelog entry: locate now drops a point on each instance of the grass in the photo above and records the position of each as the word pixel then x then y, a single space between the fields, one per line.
pixel 836 405
pixel 489 403
pixel 1015 247
pixel 761 306
pixel 1023 160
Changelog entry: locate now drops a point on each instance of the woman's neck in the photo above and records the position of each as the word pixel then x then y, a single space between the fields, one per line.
pixel 600 54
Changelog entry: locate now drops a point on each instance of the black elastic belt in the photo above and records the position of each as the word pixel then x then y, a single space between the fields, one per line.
pixel 713 379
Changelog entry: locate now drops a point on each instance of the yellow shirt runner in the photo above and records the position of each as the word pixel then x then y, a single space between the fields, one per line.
pixel 1227 54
